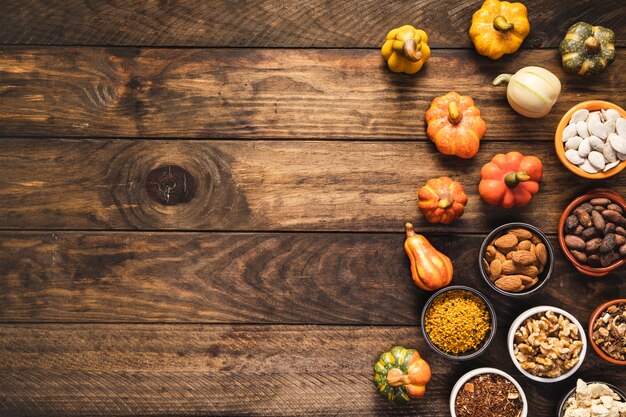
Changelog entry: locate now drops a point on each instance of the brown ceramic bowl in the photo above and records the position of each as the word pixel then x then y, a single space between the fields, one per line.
pixel 592 320
pixel 595 193
pixel 591 105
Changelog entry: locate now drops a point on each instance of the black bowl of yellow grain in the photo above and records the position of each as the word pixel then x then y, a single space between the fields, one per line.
pixel 458 322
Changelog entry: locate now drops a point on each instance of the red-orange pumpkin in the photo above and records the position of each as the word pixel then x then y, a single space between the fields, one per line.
pixel 455 125
pixel 442 200
pixel 510 180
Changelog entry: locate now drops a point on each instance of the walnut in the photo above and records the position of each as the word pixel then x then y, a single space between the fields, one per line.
pixel 547 345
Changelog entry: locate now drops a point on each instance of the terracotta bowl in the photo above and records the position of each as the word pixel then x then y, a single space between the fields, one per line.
pixel 591 105
pixel 592 319
pixel 595 193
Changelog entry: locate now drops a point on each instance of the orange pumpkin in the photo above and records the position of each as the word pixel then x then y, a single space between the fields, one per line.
pixel 442 200
pixel 455 125
pixel 510 180
pixel 430 268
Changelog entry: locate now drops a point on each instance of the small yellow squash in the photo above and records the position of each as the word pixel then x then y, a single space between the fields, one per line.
pixel 499 28
pixel 406 49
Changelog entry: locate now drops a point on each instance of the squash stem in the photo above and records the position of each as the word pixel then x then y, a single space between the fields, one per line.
pixel 409 229
pixel 411 51
pixel 395 378
pixel 512 179
pixel 502 78
pixel 444 203
pixel 500 23
pixel 454 115
pixel 592 45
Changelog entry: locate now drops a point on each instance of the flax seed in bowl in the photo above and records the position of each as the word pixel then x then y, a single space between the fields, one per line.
pixel 458 322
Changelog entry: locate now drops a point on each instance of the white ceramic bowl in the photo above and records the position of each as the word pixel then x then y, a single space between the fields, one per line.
pixel 459 384
pixel 542 309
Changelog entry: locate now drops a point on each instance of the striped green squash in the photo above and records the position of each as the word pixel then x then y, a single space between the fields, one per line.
pixel 401 374
pixel 587 49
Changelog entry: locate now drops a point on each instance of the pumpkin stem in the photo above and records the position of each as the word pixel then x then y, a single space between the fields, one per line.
pixel 502 78
pixel 409 229
pixel 592 45
pixel 444 203
pixel 453 113
pixel 395 378
pixel 500 23
pixel 512 179
pixel 411 50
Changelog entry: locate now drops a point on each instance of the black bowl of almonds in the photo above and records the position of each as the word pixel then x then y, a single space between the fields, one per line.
pixel 516 259
pixel 592 232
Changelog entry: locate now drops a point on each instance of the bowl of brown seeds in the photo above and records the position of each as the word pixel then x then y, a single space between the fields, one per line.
pixel 488 392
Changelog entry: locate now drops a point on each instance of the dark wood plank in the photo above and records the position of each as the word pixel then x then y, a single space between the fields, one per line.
pixel 248 93
pixel 257 185
pixel 106 370
pixel 243 278
pixel 271 23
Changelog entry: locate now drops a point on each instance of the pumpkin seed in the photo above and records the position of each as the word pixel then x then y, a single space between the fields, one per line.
pixel 568 132
pixel 582 129
pixel 587 167
pixel 597 129
pixel 610 126
pixel 574 157
pixel 618 142
pixel 611 114
pixel 573 142
pixel 596 143
pixel 620 127
pixel 609 153
pixel 584 148
pixel 596 159
pixel 579 115
pixel 611 165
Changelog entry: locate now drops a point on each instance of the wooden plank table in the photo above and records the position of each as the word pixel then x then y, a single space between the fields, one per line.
pixel 270 283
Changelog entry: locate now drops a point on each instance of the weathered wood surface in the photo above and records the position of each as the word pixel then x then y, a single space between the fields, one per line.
pixel 72 370
pixel 249 93
pixel 257 185
pixel 249 278
pixel 271 23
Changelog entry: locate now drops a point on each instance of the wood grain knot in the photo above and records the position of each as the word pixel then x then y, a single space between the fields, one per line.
pixel 171 185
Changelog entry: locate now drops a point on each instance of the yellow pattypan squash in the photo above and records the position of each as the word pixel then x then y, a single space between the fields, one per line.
pixel 499 28
pixel 406 49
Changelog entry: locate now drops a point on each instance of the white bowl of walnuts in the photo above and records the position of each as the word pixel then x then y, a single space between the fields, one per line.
pixel 547 344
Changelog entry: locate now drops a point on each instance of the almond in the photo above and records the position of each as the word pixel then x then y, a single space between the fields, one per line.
pixel 495 269
pixel 524 245
pixel 536 240
pixel 529 270
pixel 525 279
pixel 486 265
pixel 506 242
pixel 541 253
pixel 531 284
pixel 490 253
pixel 508 267
pixel 523 257
pixel 521 234
pixel 510 283
pixel 500 256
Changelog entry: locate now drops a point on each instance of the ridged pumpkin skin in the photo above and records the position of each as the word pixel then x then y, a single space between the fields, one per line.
pixel 442 200
pixel 401 375
pixel 587 49
pixel 406 49
pixel 499 28
pixel 430 269
pixel 510 180
pixel 455 125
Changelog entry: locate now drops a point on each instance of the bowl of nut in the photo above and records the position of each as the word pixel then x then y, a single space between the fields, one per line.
pixel 607 331
pixel 592 232
pixel 590 139
pixel 487 389
pixel 593 399
pixel 547 344
pixel 458 322
pixel 516 259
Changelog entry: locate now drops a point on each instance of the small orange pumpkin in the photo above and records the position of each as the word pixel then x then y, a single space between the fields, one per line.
pixel 431 269
pixel 455 125
pixel 442 200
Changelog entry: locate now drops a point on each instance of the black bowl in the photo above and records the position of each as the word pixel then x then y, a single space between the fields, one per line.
pixel 543 277
pixel 471 354
pixel 571 392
